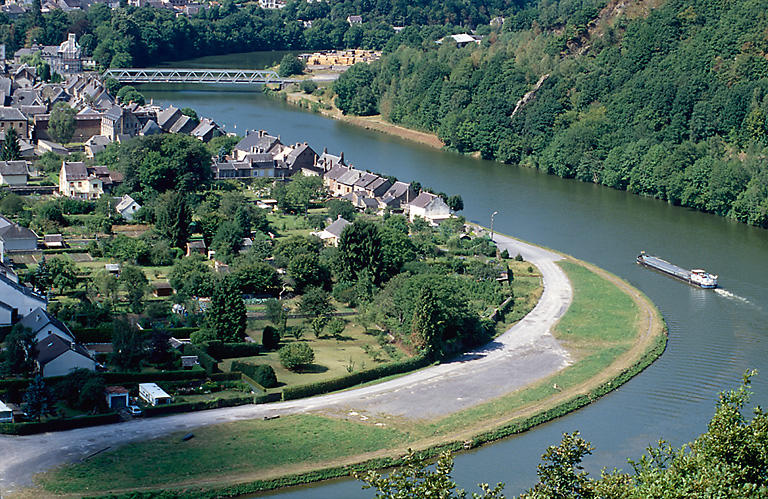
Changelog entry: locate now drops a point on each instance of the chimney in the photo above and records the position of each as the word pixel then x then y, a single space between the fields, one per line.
pixel 325 150
pixel 341 157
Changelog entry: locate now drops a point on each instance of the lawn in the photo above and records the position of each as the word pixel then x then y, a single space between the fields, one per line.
pixel 249 448
pixel 237 448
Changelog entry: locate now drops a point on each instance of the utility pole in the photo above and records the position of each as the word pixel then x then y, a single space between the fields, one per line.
pixel 493 215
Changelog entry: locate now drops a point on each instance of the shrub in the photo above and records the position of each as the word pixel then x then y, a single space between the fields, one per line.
pixel 262 374
pixel 270 338
pixel 519 258
pixel 220 350
pixel 505 255
pixel 308 86
pixel 295 356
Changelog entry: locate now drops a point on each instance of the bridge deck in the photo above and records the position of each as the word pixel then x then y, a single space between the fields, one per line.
pixel 209 76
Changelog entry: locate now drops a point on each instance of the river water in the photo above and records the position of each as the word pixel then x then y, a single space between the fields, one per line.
pixel 713 336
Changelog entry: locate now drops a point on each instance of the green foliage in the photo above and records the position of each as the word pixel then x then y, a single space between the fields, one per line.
pixel 129 94
pixel 341 208
pixel 276 314
pixel 192 276
pixel 316 302
pixel 270 338
pixel 308 86
pixel 82 389
pixel 226 315
pixel 353 91
pixel 296 196
pixel 286 249
pixel 10 151
pixel 295 356
pixel 263 374
pixel 128 347
pixel 173 217
pixel 19 355
pixel 12 204
pixel 135 285
pixel 290 65
pixel 221 350
pixel 38 400
pixel 61 125
pixel 63 274
pixel 306 270
pixel 360 248
pixel 257 278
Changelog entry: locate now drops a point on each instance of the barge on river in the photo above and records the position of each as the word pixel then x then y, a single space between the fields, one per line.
pixel 697 277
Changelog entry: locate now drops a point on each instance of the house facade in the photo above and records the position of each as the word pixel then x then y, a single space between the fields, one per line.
pixel 430 207
pixel 14 173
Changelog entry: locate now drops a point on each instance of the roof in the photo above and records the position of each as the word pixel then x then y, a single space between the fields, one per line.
pixel 350 177
pixel 114 113
pixel 184 124
pixel 40 318
pixel 153 390
pixel 203 128
pixel 366 179
pixel 13 168
pixel 16 232
pixel 11 114
pixel 75 170
pixel 54 346
pixel 53 238
pixel 23 289
pixel 258 139
pixel 98 140
pixel 168 117
pixel 422 200
pixel 337 227
pixel 116 390
pixel 336 172
pixel 296 152
pixel 125 202
pixel 151 128
pixel 196 244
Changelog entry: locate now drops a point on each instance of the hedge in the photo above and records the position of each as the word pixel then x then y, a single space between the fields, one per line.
pixel 220 350
pixel 225 377
pixel 261 374
pixel 252 383
pixel 160 410
pixel 103 334
pixel 331 385
pixel 206 361
pixel 59 424
pixel 267 398
pixel 115 378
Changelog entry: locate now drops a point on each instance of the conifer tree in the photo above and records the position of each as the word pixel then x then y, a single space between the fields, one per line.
pixel 38 400
pixel 11 151
pixel 226 315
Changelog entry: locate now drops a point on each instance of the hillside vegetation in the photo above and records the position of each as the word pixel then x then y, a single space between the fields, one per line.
pixel 671 104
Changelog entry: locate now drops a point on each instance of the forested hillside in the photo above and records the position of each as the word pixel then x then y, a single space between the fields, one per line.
pixel 671 104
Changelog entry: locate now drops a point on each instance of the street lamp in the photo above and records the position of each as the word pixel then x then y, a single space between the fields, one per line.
pixel 493 215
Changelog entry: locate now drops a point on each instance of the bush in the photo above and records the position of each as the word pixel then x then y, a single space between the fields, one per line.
pixel 331 385
pixel 505 255
pixel 58 424
pixel 160 410
pixel 519 258
pixel 270 338
pixel 220 350
pixel 294 356
pixel 261 373
pixel 308 86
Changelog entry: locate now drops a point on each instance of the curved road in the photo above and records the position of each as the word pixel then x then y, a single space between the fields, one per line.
pixel 523 354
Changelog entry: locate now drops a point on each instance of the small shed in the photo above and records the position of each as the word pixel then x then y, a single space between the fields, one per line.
pixel 112 268
pixel 161 289
pixel 53 241
pixel 117 397
pixel 196 247
pixel 6 413
pixel 189 361
pixel 153 394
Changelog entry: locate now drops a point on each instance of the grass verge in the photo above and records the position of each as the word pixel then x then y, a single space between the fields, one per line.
pixel 611 329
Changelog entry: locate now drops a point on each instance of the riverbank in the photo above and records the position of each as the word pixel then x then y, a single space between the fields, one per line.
pixel 376 123
pixel 617 359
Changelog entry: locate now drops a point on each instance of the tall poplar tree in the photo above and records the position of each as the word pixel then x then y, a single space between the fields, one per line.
pixel 11 151
pixel 226 315
pixel 172 217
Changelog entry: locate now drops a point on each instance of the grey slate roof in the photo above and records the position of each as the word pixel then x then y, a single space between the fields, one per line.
pixel 336 172
pixel 350 177
pixel 16 232
pixel 53 347
pixel 337 227
pixel 422 200
pixel 75 170
pixel 39 318
pixel 167 117
pixel 151 128
pixel 114 113
pixel 257 139
pixel 11 114
pixel 13 168
pixel 184 124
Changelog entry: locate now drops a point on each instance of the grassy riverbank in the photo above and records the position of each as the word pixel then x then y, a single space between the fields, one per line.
pixel 611 330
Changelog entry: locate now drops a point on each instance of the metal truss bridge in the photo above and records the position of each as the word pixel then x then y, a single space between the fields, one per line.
pixel 204 76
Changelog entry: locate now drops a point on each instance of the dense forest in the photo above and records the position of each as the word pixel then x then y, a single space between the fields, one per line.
pixel 670 104
pixel 134 36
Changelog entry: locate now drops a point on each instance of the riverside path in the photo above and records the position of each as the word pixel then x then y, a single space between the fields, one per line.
pixel 523 354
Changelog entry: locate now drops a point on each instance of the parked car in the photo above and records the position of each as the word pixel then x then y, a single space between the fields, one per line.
pixel 134 410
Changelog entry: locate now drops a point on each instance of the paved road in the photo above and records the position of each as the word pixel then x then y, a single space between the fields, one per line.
pixel 523 354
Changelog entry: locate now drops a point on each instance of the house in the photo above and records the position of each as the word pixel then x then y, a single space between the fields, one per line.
pixel 64 59
pixel 461 40
pixel 167 117
pixel 345 183
pixel 53 241
pixel 300 156
pixel 352 20
pixel 256 141
pixel 96 144
pixel 371 184
pixel 10 117
pixel 14 237
pixel 44 146
pixel 86 182
pixel 14 172
pixel 162 289
pixel 86 126
pixel 117 397
pixel 206 130
pixel 430 207
pixel 151 128
pixel 119 121
pixel 58 357
pixel 197 247
pixel 6 413
pixel 153 394
pixel 331 234
pixel 184 124
pixel 42 324
pixel 17 300
pixel 127 207
pixel 253 165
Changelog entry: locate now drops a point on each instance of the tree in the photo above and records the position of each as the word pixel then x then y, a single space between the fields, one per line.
pixel 353 90
pixel 290 65
pixel 416 478
pixel 64 274
pixel 308 86
pixel 257 278
pixel 12 204
pixel 10 151
pixel 128 346
pixel 135 285
pixel 108 286
pixel 296 356
pixel 305 270
pixel 270 338
pixel 316 302
pixel 173 217
pixel 38 400
pixel 129 94
pixel 61 125
pixel 226 315
pixel 82 389
pixel 276 314
pixel 335 327
pixel 427 323
pixel 360 248
pixel 19 351
pixel 455 203
pixel 341 208
pixel 192 276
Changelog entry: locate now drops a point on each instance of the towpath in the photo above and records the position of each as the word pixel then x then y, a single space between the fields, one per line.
pixel 523 354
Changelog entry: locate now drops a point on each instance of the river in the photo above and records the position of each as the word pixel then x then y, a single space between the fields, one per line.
pixel 713 336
